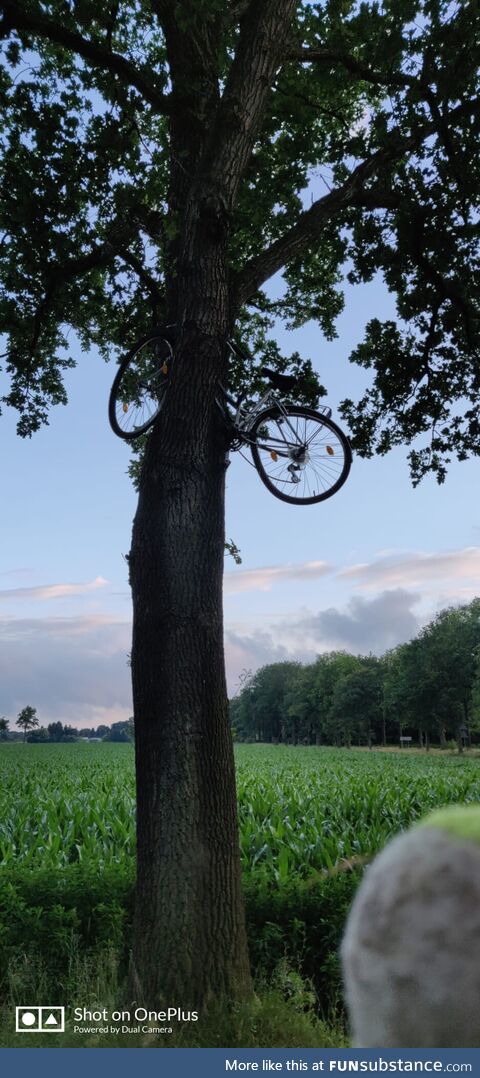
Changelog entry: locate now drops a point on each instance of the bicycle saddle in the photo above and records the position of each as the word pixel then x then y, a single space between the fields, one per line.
pixel 286 382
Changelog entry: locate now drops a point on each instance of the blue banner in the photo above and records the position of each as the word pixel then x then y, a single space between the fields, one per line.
pixel 221 1062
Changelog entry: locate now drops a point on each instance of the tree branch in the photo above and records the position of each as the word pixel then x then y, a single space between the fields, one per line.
pixel 156 294
pixel 100 256
pixel 310 223
pixel 264 28
pixel 351 193
pixel 330 57
pixel 17 17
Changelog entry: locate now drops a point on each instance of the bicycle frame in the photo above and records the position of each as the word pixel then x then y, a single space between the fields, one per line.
pixel 243 421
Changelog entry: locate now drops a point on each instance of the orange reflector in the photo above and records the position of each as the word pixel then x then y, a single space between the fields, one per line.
pixel 164 368
pixel 125 407
pixel 274 455
pixel 330 451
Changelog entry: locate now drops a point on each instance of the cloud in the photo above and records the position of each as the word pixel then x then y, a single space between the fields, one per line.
pixel 415 569
pixel 251 650
pixel 52 591
pixel 264 578
pixel 73 669
pixel 365 625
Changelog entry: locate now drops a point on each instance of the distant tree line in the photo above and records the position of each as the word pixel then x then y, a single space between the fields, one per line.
pixel 427 689
pixel 28 723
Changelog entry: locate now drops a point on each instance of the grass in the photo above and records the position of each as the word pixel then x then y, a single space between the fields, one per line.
pixel 280 1015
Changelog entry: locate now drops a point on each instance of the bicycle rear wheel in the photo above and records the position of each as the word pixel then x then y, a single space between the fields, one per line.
pixel 139 386
pixel 301 456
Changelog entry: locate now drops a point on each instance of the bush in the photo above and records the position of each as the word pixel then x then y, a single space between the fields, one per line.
pixel 51 924
pixel 56 928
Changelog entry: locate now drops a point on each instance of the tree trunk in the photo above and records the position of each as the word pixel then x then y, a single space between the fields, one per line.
pixel 466 716
pixel 189 931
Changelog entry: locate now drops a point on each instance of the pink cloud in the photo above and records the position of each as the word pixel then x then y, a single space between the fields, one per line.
pixel 264 578
pixel 416 569
pixel 45 592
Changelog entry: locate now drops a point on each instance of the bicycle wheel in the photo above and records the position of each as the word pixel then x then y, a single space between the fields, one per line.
pixel 301 456
pixel 139 386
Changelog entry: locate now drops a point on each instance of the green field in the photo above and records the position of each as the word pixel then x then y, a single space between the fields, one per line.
pixel 67 873
pixel 301 809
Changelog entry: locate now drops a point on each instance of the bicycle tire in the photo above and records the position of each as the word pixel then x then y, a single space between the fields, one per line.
pixel 326 474
pixel 143 390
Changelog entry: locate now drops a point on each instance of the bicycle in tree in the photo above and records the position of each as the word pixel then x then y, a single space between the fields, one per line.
pixel 300 454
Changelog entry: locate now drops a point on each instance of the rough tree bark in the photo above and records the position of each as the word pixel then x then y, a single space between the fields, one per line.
pixel 189 933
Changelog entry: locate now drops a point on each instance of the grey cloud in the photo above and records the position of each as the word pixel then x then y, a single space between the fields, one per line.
pixel 250 651
pixel 366 625
pixel 68 668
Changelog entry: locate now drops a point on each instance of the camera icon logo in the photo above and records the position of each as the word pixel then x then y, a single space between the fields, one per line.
pixel 39 1019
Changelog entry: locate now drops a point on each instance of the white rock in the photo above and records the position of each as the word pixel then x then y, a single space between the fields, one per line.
pixel 411 951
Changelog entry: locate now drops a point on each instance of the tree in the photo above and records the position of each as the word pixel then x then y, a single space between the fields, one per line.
pixel 55 731
pixel 357 703
pixel 121 731
pixel 3 727
pixel 154 162
pixel 27 719
pixel 39 737
pixel 259 712
pixel 453 639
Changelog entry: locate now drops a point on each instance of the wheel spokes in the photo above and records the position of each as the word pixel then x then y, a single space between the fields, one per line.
pixel 300 455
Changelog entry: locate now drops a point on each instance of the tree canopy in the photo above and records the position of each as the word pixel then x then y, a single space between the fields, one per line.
pixel 363 155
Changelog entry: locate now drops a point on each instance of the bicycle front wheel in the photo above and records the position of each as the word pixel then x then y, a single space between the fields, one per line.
pixel 139 386
pixel 301 456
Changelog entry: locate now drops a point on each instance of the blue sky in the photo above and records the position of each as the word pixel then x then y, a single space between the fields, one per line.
pixel 363 571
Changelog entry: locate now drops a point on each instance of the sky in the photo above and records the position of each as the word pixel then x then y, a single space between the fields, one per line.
pixel 362 571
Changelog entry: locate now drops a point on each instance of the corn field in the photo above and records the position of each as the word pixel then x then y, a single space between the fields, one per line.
pixel 301 809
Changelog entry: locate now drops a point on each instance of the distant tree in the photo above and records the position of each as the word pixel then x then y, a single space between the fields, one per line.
pixel 452 640
pixel 357 704
pixel 55 731
pixel 300 706
pixel 3 728
pixel 120 731
pixel 101 731
pixel 412 684
pixel 258 712
pixel 39 737
pixel 329 670
pixel 27 720
pixel 69 734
